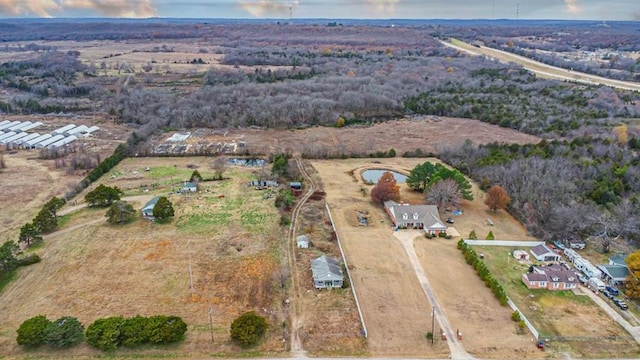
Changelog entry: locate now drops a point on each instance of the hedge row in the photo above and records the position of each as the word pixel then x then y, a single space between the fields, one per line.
pixel 105 334
pixel 110 333
pixel 106 165
pixel 472 259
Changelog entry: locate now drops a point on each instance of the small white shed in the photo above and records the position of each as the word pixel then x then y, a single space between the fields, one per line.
pixel 520 255
pixel 302 241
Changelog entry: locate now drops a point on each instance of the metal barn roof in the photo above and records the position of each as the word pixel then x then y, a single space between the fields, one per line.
pixel 76 130
pixel 32 126
pixel 25 139
pixel 63 129
pixel 49 141
pixel 40 138
pixel 6 127
pixel 63 142
pixel 92 129
pixel 18 127
pixel 14 137
pixel 7 135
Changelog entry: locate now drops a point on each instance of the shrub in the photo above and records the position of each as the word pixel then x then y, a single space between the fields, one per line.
pixel 106 334
pixel 247 329
pixel 64 332
pixel 483 272
pixel 515 316
pixel 29 260
pixel 490 236
pixel 166 329
pixel 472 235
pixel 33 331
pixel 135 331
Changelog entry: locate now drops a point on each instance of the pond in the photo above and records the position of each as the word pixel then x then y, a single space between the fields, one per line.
pixel 246 162
pixel 373 175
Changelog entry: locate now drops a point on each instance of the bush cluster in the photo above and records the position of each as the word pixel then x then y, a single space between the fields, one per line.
pixel 65 332
pixel 106 334
pixel 472 259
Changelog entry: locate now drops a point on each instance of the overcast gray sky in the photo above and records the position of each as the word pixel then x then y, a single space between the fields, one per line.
pixel 371 9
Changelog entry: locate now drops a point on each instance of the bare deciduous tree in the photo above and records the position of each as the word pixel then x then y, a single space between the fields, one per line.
pixel 444 193
pixel 219 166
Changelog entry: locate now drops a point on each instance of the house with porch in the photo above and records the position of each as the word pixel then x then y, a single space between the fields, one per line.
pixel 326 272
pixel 551 277
pixel 544 253
pixel 415 217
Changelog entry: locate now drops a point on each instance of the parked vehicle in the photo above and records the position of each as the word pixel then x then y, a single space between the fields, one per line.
pixel 450 220
pixel 621 304
pixel 596 284
pixel 613 290
pixel 559 245
pixel 608 294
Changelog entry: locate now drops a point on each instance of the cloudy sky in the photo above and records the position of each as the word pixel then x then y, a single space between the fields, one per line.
pixel 409 9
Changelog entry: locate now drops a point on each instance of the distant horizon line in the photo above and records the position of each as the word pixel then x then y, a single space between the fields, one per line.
pixel 307 19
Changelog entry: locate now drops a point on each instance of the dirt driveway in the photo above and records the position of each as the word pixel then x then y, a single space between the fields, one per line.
pixel 396 310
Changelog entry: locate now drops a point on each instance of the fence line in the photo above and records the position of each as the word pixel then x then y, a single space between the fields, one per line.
pixel 503 243
pixel 346 266
pixel 524 318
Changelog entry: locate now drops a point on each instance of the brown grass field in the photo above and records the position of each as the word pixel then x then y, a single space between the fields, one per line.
pixel 237 252
pixel 395 309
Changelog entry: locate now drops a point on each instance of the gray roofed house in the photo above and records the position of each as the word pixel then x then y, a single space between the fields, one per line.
pixel 544 253
pixel 415 216
pixel 147 210
pixel 326 272
pixel 618 259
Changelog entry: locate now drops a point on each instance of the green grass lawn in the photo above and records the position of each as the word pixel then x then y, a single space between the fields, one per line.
pixel 202 224
pixel 535 304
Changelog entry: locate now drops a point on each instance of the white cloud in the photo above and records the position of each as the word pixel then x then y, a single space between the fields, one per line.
pixel 259 8
pixel 50 8
pixel 42 8
pixel 572 6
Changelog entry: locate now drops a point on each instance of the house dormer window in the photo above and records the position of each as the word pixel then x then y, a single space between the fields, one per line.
pixel 405 216
pixel 415 216
pixel 572 278
pixel 555 278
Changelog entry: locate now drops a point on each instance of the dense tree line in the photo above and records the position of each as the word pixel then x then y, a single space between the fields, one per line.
pixel 562 189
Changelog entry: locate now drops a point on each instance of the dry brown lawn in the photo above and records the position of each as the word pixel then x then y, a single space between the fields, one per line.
pixel 227 232
pixel 395 308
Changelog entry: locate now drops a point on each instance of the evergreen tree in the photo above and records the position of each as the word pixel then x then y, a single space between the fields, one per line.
pixel 280 165
pixel 103 196
pixel 64 333
pixel 163 209
pixel 120 212
pixel 248 329
pixel 33 331
pixel 29 234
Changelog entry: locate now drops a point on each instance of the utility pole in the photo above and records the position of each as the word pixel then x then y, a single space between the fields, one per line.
pixel 433 324
pixel 211 322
